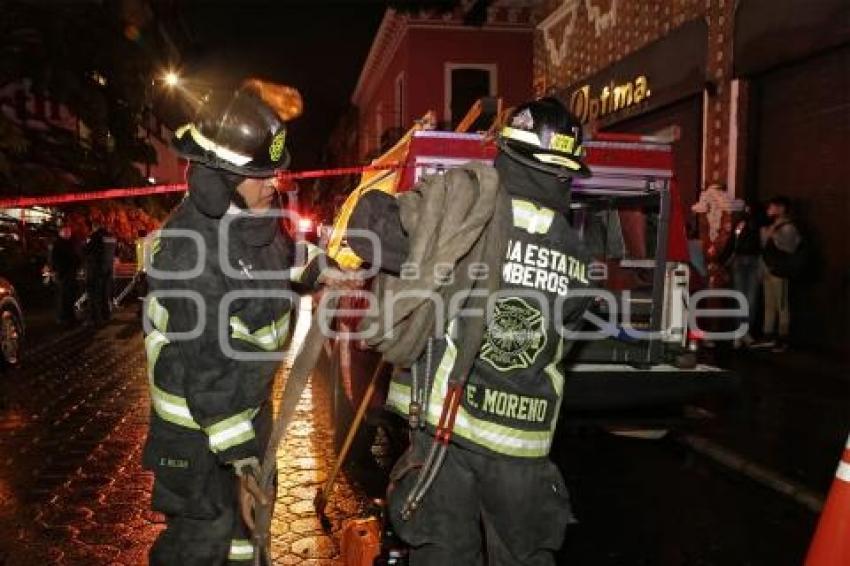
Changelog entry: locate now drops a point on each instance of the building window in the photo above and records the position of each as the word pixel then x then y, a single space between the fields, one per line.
pixel 464 84
pixel 400 118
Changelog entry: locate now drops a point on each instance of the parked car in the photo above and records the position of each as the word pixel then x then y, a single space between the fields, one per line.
pixel 11 326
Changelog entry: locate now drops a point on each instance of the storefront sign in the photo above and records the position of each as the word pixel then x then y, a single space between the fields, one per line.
pixel 588 105
pixel 657 75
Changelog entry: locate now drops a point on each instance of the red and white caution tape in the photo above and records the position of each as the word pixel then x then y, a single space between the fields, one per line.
pixel 128 192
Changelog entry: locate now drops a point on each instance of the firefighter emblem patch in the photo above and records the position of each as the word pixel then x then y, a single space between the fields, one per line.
pixel 515 336
pixel 276 147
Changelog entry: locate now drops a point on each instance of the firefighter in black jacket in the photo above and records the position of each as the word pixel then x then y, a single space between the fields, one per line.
pixel 217 315
pixel 496 477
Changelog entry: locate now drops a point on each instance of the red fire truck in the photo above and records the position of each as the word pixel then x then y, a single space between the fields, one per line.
pixel 630 215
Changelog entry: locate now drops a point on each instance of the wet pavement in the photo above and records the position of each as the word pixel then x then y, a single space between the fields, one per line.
pixel 72 490
pixel 656 502
pixel 73 422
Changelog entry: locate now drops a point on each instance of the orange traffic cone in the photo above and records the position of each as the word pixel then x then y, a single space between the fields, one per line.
pixel 831 543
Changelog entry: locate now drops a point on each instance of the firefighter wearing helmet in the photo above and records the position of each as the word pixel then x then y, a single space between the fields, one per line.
pixel 217 311
pixel 495 487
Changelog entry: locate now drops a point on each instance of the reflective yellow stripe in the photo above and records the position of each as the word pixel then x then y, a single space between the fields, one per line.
pixel 496 437
pixel 157 314
pixel 224 434
pixel 493 436
pixel 169 407
pixel 522 136
pixel 141 249
pixel 232 431
pixel 172 408
pixel 557 378
pixel 241 549
pixel 532 219
pixel 297 273
pixel 227 154
pixel 270 337
pixel 155 245
pixel 398 397
pixel 555 375
pixel 153 344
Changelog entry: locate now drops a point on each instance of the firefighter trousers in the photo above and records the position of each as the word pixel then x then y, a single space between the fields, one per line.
pixel 483 509
pixel 199 497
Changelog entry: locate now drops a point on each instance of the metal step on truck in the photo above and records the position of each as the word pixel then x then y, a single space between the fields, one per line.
pixel 630 215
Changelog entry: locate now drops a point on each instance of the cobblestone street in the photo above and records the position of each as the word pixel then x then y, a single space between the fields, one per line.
pixel 72 490
pixel 73 420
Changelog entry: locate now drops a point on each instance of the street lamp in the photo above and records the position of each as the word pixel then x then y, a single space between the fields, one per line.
pixel 171 79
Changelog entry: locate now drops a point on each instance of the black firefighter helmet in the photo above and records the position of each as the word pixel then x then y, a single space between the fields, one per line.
pixel 243 132
pixel 544 135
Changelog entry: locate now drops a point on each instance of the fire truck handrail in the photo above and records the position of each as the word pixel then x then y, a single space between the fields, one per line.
pixel 642 146
pixel 438 134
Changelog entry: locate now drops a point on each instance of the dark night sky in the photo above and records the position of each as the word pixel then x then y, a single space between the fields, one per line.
pixel 316 46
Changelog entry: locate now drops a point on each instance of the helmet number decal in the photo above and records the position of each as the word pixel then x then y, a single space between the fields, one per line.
pixel 276 147
pixel 562 143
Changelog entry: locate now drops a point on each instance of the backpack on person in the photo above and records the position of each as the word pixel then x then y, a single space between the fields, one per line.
pixel 787 265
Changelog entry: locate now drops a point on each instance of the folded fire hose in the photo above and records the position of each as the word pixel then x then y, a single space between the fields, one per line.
pixel 459 219
pixel 302 367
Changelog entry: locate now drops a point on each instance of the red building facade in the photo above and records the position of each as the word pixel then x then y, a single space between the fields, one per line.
pixel 435 62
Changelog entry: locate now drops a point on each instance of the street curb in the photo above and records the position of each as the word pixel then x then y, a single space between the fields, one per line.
pixel 754 471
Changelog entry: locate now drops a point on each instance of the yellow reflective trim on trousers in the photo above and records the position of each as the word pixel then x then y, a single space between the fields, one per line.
pixel 270 337
pixel 531 218
pixel 241 549
pixel 158 314
pixel 169 407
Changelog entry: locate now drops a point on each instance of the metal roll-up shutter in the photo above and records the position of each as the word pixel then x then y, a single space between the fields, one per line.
pixel 800 148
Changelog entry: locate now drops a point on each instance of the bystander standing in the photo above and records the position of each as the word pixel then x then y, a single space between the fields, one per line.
pixel 63 262
pixel 781 241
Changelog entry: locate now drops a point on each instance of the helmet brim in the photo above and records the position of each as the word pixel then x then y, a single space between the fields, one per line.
pixel 556 164
pixel 563 162
pixel 185 146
